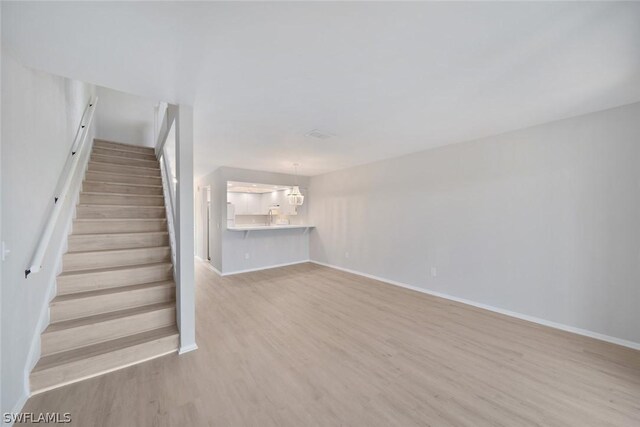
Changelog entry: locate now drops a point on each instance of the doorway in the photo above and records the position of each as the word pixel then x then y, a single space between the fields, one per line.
pixel 206 220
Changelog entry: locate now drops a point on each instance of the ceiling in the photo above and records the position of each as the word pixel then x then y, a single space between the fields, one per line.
pixel 250 187
pixel 384 78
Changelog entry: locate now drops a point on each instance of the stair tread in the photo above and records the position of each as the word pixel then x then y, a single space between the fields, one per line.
pixel 70 356
pixel 154 160
pixel 117 219
pixel 109 269
pixel 94 161
pixel 121 206
pixel 102 193
pixel 125 184
pixel 122 234
pixel 111 291
pixel 118 150
pixel 103 317
pixel 122 174
pixel 119 250
pixel 124 144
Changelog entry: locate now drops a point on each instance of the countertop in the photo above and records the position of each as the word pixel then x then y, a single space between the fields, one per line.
pixel 266 227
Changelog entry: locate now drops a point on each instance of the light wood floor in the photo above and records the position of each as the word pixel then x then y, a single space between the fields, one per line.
pixel 307 345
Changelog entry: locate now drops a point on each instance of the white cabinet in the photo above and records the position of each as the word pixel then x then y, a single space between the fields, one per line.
pixel 259 204
pixel 253 204
pixel 246 203
pixel 238 201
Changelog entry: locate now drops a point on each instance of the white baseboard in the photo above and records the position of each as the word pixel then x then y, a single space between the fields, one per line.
pixel 231 273
pixel 208 265
pixel 555 325
pixel 269 267
pixel 187 349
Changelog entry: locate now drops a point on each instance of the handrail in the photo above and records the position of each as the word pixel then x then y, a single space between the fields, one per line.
pixel 61 191
pixel 168 120
pixel 165 127
pixel 169 178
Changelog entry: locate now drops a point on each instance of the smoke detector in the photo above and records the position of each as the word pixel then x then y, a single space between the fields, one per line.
pixel 319 134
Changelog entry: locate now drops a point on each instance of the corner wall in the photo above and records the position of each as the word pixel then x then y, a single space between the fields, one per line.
pixel 267 248
pixel 40 116
pixel 543 221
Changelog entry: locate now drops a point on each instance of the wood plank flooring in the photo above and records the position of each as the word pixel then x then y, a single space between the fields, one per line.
pixel 310 346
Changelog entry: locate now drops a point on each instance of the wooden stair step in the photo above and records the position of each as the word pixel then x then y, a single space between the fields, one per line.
pixel 111 145
pixel 124 161
pixel 106 241
pixel 88 198
pixel 104 278
pixel 91 260
pixel 95 211
pixel 116 152
pixel 95 166
pixel 64 368
pixel 120 178
pixel 73 306
pixel 71 334
pixel 106 225
pixel 121 188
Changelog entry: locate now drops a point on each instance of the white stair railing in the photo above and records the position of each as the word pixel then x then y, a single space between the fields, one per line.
pixel 167 121
pixel 68 177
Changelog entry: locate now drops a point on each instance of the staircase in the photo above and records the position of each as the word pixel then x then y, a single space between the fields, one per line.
pixel 115 302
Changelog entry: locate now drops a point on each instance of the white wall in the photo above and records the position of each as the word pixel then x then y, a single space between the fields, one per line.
pixel 265 248
pixel 125 118
pixel 40 116
pixel 542 221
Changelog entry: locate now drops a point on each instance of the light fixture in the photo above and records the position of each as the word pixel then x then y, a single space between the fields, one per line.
pixel 295 197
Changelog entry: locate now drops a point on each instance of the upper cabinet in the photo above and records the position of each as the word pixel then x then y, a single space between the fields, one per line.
pixel 260 203
pixel 246 204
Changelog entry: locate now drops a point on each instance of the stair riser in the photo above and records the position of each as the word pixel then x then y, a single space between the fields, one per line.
pixel 121 153
pixel 99 304
pixel 92 260
pixel 109 199
pixel 118 226
pixel 114 178
pixel 124 161
pixel 98 212
pixel 68 339
pixel 79 243
pixel 105 187
pixel 92 366
pixel 122 169
pixel 123 147
pixel 113 279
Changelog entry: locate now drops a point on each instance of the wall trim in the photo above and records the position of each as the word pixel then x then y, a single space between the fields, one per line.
pixel 187 349
pixel 249 270
pixel 268 267
pixel 208 265
pixel 555 325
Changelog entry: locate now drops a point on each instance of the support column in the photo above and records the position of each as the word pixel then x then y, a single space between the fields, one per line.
pixel 185 295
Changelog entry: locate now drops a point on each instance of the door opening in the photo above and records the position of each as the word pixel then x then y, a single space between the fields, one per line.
pixel 208 221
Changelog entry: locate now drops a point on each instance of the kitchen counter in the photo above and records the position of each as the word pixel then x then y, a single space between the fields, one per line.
pixel 265 227
pixel 249 228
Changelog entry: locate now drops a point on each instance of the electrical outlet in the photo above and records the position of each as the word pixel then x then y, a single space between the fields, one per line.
pixel 346 254
pixel 434 272
pixel 4 252
pixel 247 255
